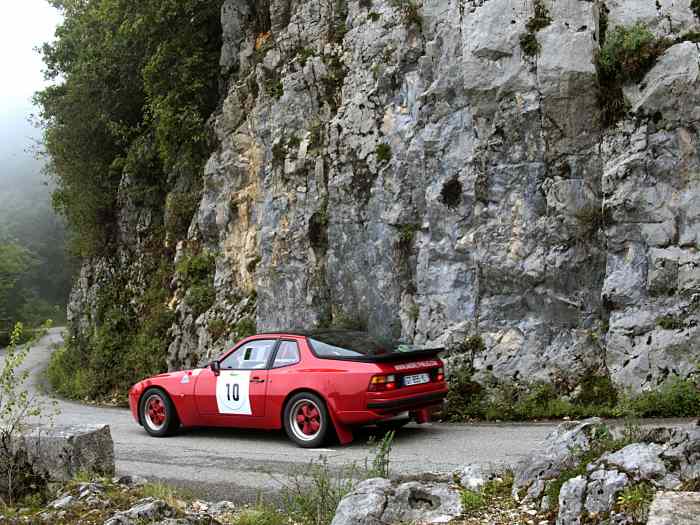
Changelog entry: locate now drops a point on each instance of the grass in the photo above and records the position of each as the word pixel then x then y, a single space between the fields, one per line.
pixel 635 501
pixel 468 400
pixel 496 492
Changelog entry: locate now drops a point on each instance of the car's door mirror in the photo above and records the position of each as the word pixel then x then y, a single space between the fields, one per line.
pixel 215 367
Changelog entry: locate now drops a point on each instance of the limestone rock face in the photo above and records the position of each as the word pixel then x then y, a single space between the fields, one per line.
pixel 416 174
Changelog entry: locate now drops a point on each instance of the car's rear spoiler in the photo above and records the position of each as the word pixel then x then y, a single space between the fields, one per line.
pixel 394 356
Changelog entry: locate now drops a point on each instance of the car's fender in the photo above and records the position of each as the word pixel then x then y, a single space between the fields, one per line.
pixel 179 386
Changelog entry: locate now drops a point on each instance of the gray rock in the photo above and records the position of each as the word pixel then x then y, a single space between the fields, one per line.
pixel 64 451
pixel 571 498
pixel 147 509
pixel 602 489
pixel 377 501
pixel 473 476
pixel 64 502
pixel 675 508
pixel 640 460
pixel 561 450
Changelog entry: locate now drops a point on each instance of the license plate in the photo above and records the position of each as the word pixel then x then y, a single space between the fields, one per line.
pixel 416 379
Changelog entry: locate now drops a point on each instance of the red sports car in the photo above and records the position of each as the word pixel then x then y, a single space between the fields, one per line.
pixel 308 383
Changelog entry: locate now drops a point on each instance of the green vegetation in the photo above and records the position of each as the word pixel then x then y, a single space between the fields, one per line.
pixel 695 7
pixel 539 20
pixel 635 500
pixel 670 322
pixel 131 98
pixel 626 55
pixel 410 13
pixel 601 442
pixel 127 345
pixel 496 492
pixel 19 482
pixel 529 44
pixel 596 396
pixel 383 152
pixel 312 495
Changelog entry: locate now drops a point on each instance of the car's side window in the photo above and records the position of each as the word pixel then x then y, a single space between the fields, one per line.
pixel 287 354
pixel 250 356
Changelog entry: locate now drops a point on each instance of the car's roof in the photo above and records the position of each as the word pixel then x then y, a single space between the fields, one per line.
pixel 310 333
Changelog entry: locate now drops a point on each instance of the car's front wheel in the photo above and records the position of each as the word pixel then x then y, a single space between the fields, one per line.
pixel 306 420
pixel 157 413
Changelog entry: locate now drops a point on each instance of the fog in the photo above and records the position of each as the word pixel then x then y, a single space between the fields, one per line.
pixel 26 217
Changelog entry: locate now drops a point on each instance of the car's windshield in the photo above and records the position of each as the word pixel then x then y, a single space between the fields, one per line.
pixel 348 343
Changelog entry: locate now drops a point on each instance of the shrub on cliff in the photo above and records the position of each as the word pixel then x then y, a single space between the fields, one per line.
pixel 626 55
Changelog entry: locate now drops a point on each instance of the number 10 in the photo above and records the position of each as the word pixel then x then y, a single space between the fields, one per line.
pixel 233 391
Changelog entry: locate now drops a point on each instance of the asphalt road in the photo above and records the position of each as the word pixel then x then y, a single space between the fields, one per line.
pixel 242 465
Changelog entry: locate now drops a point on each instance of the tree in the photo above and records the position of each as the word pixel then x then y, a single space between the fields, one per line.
pixel 14 262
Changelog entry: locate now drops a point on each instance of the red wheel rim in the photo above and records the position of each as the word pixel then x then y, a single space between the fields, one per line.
pixel 305 419
pixel 155 412
pixel 308 418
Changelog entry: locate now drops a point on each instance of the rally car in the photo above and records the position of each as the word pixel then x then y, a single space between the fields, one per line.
pixel 310 384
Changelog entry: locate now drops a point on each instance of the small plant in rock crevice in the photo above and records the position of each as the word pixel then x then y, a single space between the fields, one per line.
pixel 626 55
pixel 383 152
pixel 538 21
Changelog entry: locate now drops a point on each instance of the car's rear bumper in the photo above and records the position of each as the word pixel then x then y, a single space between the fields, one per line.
pixel 407 403
pixel 385 407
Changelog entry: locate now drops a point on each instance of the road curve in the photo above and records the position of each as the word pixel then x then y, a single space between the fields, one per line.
pixel 241 465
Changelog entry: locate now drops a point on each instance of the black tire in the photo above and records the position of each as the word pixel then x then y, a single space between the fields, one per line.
pixel 304 433
pixel 151 421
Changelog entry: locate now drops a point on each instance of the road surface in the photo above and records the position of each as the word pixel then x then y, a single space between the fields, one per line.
pixel 241 465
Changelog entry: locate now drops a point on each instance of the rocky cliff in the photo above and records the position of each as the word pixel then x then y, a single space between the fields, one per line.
pixel 441 169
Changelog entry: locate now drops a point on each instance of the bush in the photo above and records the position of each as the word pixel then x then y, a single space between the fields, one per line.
pixel 628 53
pixel 18 478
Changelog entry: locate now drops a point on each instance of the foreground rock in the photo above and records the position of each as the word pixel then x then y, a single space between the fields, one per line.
pixel 675 508
pixel 593 465
pixel 379 501
pixel 64 451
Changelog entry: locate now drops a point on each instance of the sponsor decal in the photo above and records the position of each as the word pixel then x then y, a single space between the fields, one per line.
pixel 233 392
pixel 185 379
pixel 417 364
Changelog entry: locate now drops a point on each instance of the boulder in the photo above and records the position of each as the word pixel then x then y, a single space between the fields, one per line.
pixel 675 508
pixel 562 451
pixel 64 451
pixel 641 460
pixel 146 510
pixel 378 501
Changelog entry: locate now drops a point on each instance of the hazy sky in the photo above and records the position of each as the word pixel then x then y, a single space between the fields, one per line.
pixel 24 25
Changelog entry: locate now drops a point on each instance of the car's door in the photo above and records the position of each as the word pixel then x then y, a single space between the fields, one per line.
pixel 238 393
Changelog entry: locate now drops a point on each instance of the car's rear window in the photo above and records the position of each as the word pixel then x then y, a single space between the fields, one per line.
pixel 354 344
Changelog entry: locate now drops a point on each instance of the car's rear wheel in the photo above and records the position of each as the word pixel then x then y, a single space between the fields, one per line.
pixel 306 420
pixel 157 413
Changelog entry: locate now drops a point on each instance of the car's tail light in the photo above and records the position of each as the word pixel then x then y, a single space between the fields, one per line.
pixel 440 375
pixel 382 383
